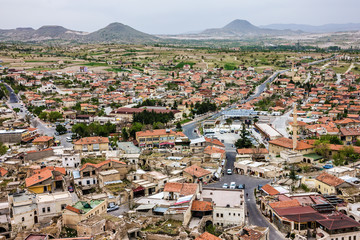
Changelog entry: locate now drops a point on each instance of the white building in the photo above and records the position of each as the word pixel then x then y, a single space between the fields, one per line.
pixel 70 161
pixel 50 205
pixel 23 211
pixel 229 206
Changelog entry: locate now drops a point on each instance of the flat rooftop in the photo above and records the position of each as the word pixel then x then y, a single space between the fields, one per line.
pixel 224 197
pixel 81 205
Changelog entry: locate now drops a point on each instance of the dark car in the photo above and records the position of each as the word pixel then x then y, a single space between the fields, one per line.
pixel 70 189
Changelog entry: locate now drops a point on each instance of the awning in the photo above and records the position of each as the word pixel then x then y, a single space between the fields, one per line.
pixel 167 143
pixel 160 209
pixel 182 200
pixel 138 189
pixel 145 207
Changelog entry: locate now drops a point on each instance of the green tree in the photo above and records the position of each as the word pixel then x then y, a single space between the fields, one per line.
pixel 135 128
pixel 243 141
pixel 3 149
pixel 43 116
pixel 16 110
pixel 322 148
pixel 80 129
pixel 54 116
pixel 292 174
pixel 178 126
pixel 228 121
pixel 61 129
pixel 124 134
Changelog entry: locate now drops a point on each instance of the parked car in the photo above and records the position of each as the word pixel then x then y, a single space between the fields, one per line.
pixel 69 139
pixel 70 189
pixel 328 166
pixel 225 185
pixel 229 171
pixel 112 207
pixel 232 185
pixel 241 186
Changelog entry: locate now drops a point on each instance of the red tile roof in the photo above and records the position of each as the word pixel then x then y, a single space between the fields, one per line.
pixel 156 132
pixel 38 178
pixel 338 221
pixel 201 206
pixel 329 179
pixel 196 171
pixel 182 188
pixel 252 151
pixel 288 143
pixel 68 207
pixel 270 190
pixel 42 139
pixel 92 140
pixel 100 164
pixel 207 236
pixel 285 204
pixel 3 171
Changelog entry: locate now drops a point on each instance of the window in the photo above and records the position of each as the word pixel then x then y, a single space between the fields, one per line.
pixel 234 214
pixel 222 215
pixel 23 219
pixel 229 214
pixel 217 215
pixel 88 182
pixel 239 214
pixel 93 172
pixel 43 210
pixel 94 181
pixel 63 206
pixel 48 209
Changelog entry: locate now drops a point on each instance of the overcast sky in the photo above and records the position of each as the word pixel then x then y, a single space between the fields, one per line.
pixel 172 16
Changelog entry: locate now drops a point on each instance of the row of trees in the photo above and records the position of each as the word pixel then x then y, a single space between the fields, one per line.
pixel 204 107
pixel 52 116
pixel 344 156
pixel 147 117
pixel 94 129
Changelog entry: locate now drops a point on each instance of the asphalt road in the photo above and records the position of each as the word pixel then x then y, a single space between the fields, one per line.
pixel 42 127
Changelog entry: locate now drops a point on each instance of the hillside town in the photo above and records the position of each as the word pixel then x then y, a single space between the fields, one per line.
pixel 180 149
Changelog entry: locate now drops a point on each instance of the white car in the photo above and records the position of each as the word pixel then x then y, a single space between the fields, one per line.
pixel 232 185
pixel 229 172
pixel 225 185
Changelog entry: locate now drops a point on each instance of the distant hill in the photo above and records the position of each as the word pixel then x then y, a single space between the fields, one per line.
pixel 241 28
pixel 115 32
pixel 118 32
pixel 327 28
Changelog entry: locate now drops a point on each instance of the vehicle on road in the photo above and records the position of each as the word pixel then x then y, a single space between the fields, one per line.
pixel 328 166
pixel 69 139
pixel 70 189
pixel 229 171
pixel 225 185
pixel 56 133
pixel 232 185
pixel 112 207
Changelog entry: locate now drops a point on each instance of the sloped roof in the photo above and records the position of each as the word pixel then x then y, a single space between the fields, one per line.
pixel 329 179
pixel 201 206
pixel 182 188
pixel 196 171
pixel 38 178
pixel 270 190
pixel 92 140
pixel 288 143
pixel 285 204
pixel 207 236
pixel 42 139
